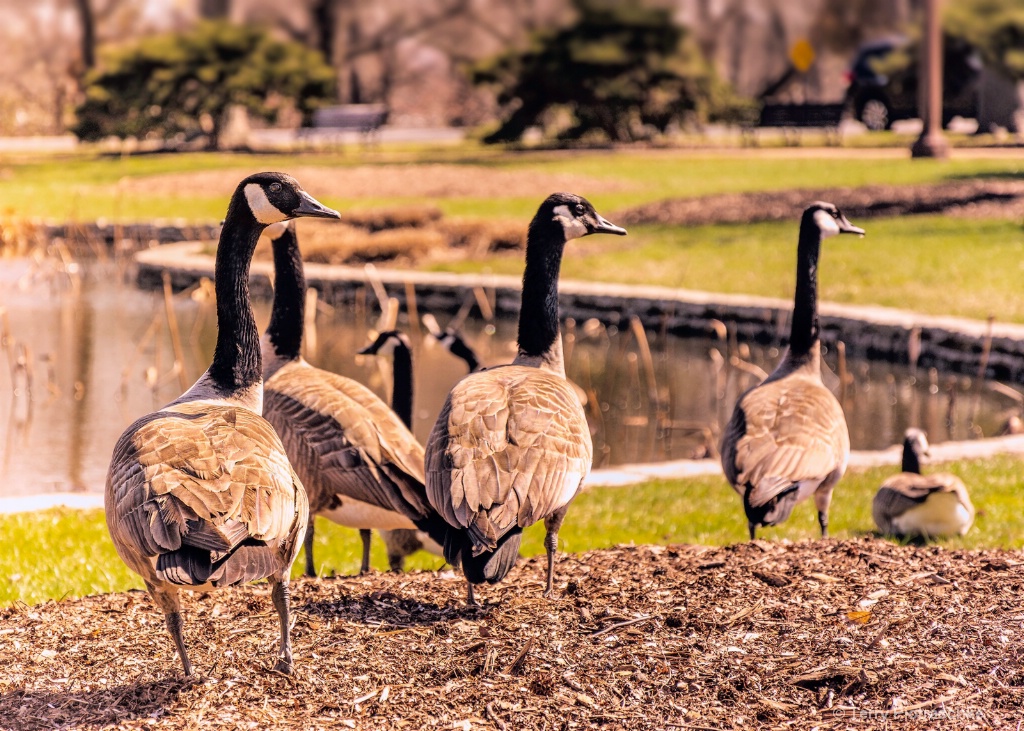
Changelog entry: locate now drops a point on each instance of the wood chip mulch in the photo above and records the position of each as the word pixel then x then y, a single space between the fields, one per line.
pixel 833 634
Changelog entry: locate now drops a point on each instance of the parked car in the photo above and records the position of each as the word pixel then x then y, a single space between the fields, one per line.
pixel 877 98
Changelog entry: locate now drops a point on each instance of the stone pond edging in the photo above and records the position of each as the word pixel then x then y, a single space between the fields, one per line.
pixel 950 344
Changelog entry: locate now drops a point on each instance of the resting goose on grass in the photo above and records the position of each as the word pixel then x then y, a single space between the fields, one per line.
pixel 511 445
pixel 913 505
pixel 361 466
pixel 200 494
pixel 787 439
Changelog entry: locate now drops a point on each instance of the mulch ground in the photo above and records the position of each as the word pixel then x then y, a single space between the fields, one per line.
pixel 984 198
pixel 834 634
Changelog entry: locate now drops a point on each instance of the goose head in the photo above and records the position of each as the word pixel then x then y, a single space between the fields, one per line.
pixel 916 441
pixel 386 343
pixel 276 197
pixel 574 216
pixel 829 220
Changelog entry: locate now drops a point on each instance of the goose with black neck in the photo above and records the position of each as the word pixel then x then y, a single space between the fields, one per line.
pixel 361 466
pixel 403 542
pixel 200 494
pixel 787 439
pixel 511 445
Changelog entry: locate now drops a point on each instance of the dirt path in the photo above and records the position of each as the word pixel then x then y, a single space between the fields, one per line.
pixel 823 633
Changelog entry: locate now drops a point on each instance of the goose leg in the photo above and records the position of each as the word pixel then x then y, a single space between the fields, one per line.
pixel 365 534
pixel 308 544
pixel 171 607
pixel 753 530
pixel 279 594
pixel 552 523
pixel 470 598
pixel 822 500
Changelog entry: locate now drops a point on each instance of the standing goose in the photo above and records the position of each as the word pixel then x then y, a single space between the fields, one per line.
pixel 361 466
pixel 511 445
pixel 787 438
pixel 403 542
pixel 922 506
pixel 200 494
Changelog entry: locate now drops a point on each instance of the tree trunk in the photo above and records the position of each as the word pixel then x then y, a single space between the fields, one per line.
pixel 87 46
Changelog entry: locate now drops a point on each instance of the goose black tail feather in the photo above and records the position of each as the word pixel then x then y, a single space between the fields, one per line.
pixel 490 566
pixel 776 510
pixel 439 531
pixel 191 566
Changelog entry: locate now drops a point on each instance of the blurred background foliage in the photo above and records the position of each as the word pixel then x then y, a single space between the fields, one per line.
pixel 180 85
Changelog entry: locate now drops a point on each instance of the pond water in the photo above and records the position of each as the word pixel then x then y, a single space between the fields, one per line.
pixel 85 353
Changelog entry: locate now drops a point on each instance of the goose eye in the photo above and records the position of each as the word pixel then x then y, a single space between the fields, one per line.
pixel 579 208
pixel 275 187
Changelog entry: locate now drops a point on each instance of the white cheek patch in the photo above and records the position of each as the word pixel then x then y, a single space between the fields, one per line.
pixel 572 226
pixel 262 209
pixel 826 224
pixel 276 230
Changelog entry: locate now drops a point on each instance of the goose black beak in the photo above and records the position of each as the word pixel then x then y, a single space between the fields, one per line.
pixel 312 208
pixel 845 227
pixel 368 350
pixel 604 226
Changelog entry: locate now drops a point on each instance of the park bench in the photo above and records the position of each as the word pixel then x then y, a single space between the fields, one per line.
pixel 332 123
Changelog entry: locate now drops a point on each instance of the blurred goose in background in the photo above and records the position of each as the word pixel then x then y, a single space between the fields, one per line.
pixel 511 445
pixel 200 494
pixel 913 505
pixel 788 439
pixel 392 343
pixel 361 466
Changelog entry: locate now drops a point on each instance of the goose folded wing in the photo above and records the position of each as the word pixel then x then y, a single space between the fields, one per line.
pixel 792 436
pixel 341 447
pixel 209 479
pixel 509 454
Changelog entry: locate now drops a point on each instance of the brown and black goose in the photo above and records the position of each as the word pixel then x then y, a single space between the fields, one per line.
pixel 361 466
pixel 511 445
pixel 200 494
pixel 403 542
pixel 788 439
pixel 913 505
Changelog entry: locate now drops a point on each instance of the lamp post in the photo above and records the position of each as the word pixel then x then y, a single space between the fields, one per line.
pixel 931 143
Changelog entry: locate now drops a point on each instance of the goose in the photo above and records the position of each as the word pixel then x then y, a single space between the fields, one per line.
pixel 402 542
pixel 199 494
pixel 361 466
pixel 511 445
pixel 921 506
pixel 787 438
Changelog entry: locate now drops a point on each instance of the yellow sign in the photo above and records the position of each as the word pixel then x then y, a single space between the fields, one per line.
pixel 801 54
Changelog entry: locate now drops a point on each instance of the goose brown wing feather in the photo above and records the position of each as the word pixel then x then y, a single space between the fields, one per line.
pixel 901 492
pixel 206 469
pixel 345 441
pixel 794 430
pixel 510 447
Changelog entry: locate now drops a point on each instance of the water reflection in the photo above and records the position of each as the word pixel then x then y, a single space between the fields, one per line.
pixel 87 354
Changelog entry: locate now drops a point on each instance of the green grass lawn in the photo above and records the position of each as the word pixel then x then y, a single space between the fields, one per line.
pixel 84 186
pixel 65 553
pixel 906 262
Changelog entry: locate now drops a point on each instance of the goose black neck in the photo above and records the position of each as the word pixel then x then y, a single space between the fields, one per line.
pixel 805 305
pixel 538 317
pixel 401 393
pixel 911 460
pixel 287 317
pixel 237 361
